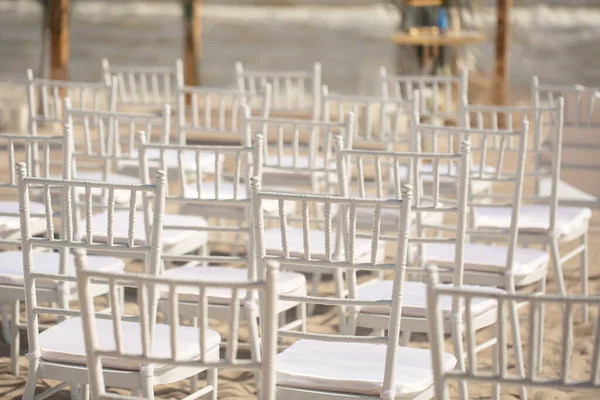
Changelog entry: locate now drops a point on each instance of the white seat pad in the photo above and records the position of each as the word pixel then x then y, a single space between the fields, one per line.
pixel 534 218
pixel 46 262
pixel 10 225
pixel 289 282
pixel 390 218
pixel 64 342
pixel 485 258
pixel 170 237
pixel 272 240
pixel 207 160
pixel 354 368
pixel 302 162
pixel 226 192
pixel 414 299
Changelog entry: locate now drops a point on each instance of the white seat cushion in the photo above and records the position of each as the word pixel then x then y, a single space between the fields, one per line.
pixel 207 160
pixel 272 240
pixel 354 368
pixel 46 262
pixel 414 299
pixel 390 218
pixel 226 192
pixel 171 238
pixel 64 342
pixel 302 162
pixel 289 282
pixel 485 258
pixel 534 218
pixel 10 225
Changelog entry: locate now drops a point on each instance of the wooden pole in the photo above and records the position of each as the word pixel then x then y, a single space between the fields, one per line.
pixel 502 39
pixel 193 41
pixel 59 39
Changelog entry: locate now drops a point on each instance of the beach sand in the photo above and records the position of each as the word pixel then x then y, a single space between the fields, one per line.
pixel 240 385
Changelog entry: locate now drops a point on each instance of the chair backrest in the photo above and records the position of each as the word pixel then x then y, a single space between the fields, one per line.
pixel 292 91
pixel 68 239
pixel 543 160
pixel 499 374
pixel 497 159
pixel 295 145
pixel 377 120
pixel 441 96
pixel 175 353
pixel 215 115
pixel 381 174
pixel 220 190
pixel 110 136
pixel 45 98
pixel 581 132
pixel 303 257
pixel 143 85
pixel 22 148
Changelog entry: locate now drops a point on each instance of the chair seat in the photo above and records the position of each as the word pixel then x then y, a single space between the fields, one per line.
pixel 46 262
pixel 64 342
pixel 356 368
pixel 288 283
pixel 486 258
pixel 535 218
pixel 226 192
pixel 272 240
pixel 174 241
pixel 11 224
pixel 414 299
pixel 171 157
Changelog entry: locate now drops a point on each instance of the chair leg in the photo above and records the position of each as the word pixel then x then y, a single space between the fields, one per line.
pixel 495 365
pixel 584 275
pixel 541 309
pixel 75 391
pixel 557 267
pixel 302 316
pixel 5 324
pixel 405 338
pixel 84 392
pixel 314 291
pixel 15 338
pixel 517 346
pixel 147 388
pixel 212 376
pixel 457 343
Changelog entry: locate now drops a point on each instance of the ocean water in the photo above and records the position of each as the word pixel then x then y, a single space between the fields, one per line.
pixel 559 40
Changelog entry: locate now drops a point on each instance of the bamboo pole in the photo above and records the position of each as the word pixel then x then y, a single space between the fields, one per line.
pixel 501 63
pixel 193 41
pixel 59 40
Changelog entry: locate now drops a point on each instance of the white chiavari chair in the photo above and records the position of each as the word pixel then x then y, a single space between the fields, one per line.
pixel 442 98
pixel 216 115
pixel 45 99
pixel 19 148
pixel 294 93
pixel 143 86
pixel 382 124
pixel 58 353
pixel 158 353
pixel 579 150
pixel 437 294
pixel 104 146
pixel 499 262
pixel 542 220
pixel 227 201
pixel 326 365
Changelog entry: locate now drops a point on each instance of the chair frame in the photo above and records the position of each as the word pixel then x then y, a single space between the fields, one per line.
pixel 499 374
